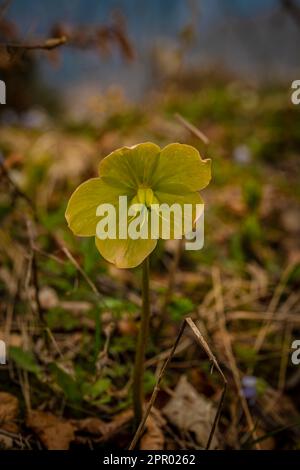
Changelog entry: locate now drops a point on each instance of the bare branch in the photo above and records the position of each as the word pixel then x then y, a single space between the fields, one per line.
pixel 193 129
pixel 48 44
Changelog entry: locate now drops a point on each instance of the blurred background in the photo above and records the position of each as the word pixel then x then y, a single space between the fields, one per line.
pixel 82 79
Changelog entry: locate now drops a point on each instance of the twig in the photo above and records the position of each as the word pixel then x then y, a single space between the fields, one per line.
pixel 51 337
pixel 79 268
pixel 17 190
pixel 193 129
pixel 163 355
pixel 48 44
pixel 263 316
pixel 49 255
pixel 206 348
pixel 188 321
pixel 273 306
pixel 103 356
pixel 228 349
pixel 81 271
pixel 16 437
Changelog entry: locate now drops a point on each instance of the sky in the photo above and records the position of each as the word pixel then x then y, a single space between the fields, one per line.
pixel 252 38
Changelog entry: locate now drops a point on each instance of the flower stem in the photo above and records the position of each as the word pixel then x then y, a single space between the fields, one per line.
pixel 138 374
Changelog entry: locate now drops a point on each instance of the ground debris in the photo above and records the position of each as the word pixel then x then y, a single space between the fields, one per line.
pixel 55 433
pixel 153 437
pixel 191 413
pixel 9 410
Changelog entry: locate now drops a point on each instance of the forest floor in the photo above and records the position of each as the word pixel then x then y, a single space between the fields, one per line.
pixel 70 319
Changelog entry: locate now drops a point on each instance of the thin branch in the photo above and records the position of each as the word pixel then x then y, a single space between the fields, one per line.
pixel 217 286
pixel 48 44
pixel 273 306
pixel 79 268
pixel 263 316
pixel 15 187
pixel 193 129
pixel 187 321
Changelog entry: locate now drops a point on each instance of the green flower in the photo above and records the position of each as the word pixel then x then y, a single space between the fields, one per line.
pixel 147 175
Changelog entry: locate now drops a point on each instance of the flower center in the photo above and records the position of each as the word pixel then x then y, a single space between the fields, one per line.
pixel 145 196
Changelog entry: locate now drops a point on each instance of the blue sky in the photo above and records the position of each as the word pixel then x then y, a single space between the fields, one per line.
pixel 246 36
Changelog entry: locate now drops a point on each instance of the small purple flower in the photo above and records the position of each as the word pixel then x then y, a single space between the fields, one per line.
pixel 249 388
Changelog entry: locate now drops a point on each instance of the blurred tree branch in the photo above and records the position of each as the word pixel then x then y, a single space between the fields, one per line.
pixel 48 44
pixel 19 57
pixel 98 37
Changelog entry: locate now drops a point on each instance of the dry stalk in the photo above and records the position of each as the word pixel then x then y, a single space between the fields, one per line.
pixel 229 351
pixel 187 322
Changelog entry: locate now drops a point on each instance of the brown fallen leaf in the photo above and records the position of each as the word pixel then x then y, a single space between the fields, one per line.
pixel 101 431
pixel 126 326
pixel 191 412
pixel 9 410
pixel 6 442
pixel 55 433
pixel 94 426
pixel 153 437
pixel 268 442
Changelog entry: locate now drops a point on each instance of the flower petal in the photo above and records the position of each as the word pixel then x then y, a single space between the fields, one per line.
pixel 125 253
pixel 130 167
pixel 82 206
pixel 181 220
pixel 181 169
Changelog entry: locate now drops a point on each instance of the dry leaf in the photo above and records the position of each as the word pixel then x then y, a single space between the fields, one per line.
pixel 99 430
pixel 6 442
pixel 9 410
pixel 268 443
pixel 153 437
pixel 191 412
pixel 126 325
pixel 92 425
pixel 54 433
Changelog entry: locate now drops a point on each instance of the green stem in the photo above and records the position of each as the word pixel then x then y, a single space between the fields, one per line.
pixel 138 374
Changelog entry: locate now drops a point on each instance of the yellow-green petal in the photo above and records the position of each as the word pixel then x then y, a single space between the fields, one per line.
pixel 182 219
pixel 82 206
pixel 125 253
pixel 181 169
pixel 130 167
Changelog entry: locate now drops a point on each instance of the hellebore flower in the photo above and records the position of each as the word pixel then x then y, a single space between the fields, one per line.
pixel 147 175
